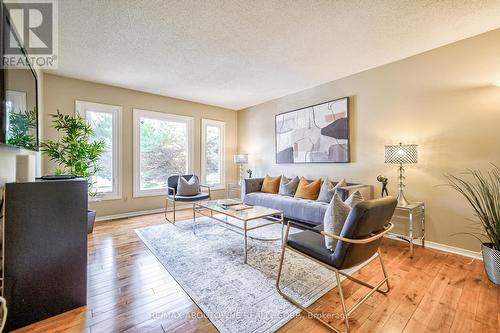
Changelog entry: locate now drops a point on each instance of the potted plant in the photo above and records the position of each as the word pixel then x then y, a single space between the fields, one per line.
pixel 76 153
pixel 482 191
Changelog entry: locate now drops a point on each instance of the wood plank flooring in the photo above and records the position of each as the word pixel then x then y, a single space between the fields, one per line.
pixel 130 291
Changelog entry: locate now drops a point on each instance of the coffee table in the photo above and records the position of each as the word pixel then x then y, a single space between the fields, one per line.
pixel 246 216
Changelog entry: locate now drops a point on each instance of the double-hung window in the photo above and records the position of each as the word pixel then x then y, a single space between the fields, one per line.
pixel 163 146
pixel 212 152
pixel 105 120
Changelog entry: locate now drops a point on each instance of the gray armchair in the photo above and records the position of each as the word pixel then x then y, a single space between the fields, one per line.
pixel 359 241
pixel 174 197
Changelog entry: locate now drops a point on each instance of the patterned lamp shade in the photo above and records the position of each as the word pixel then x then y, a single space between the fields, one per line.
pixel 241 158
pixel 401 154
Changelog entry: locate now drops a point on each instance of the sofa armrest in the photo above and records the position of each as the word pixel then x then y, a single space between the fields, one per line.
pixel 250 185
pixel 365 190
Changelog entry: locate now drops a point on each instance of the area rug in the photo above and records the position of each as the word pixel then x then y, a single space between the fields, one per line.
pixel 236 297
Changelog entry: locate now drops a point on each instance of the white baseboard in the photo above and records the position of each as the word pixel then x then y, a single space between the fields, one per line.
pixel 138 213
pixel 442 247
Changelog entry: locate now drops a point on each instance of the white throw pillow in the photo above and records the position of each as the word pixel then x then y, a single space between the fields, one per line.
pixel 336 215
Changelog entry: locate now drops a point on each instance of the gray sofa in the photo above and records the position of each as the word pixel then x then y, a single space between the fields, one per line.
pixel 298 211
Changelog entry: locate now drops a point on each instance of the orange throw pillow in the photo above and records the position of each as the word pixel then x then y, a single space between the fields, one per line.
pixel 271 185
pixel 307 190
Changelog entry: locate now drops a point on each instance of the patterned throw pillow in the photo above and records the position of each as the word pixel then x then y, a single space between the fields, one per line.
pixel 188 188
pixel 271 185
pixel 328 190
pixel 288 186
pixel 306 190
pixel 336 215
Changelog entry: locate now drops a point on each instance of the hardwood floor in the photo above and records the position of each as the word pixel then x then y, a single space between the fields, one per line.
pixel 130 291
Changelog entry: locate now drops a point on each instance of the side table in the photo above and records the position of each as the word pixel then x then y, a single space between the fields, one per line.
pixel 233 190
pixel 410 213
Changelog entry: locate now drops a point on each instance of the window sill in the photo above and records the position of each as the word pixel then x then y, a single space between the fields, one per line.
pixel 105 198
pixel 150 194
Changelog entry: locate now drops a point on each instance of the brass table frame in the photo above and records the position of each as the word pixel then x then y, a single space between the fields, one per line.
pixel 199 207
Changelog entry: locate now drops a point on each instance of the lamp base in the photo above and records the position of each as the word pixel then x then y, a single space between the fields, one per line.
pixel 402 202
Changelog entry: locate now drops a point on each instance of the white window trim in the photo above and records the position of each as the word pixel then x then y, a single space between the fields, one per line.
pixel 222 126
pixel 116 111
pixel 137 114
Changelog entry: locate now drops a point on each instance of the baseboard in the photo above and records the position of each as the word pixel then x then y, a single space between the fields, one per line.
pixel 442 247
pixel 138 213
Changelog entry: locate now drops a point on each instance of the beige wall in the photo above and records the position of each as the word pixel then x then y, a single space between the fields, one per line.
pixel 443 100
pixel 61 93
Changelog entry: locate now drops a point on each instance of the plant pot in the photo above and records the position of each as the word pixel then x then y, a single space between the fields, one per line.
pixel 491 260
pixel 91 220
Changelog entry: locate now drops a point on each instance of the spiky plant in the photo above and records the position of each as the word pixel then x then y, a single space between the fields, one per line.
pixel 482 192
pixel 75 152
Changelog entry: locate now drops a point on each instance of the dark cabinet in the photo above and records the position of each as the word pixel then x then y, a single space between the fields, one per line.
pixel 44 249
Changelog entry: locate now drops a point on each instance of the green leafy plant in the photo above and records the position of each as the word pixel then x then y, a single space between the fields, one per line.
pixel 22 126
pixel 482 192
pixel 75 152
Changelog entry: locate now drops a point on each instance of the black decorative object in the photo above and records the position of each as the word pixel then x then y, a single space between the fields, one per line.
pixel 58 177
pixel 249 171
pixel 314 134
pixel 384 182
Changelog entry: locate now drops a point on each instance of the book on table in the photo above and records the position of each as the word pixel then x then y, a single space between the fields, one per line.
pixel 225 203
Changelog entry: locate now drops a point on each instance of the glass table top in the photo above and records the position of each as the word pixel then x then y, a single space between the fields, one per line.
pixel 254 212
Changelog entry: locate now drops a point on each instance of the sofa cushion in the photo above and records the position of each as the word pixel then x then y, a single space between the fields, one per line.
pixel 270 184
pixel 302 210
pixel 308 190
pixel 328 190
pixel 189 198
pixel 288 186
pixel 311 243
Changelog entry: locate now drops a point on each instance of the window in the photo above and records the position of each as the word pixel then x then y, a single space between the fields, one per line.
pixel 212 152
pixel 162 147
pixel 105 120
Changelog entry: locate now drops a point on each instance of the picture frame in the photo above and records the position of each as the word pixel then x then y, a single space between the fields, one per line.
pixel 317 133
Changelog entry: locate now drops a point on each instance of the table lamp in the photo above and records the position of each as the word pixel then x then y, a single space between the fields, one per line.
pixel 241 159
pixel 401 154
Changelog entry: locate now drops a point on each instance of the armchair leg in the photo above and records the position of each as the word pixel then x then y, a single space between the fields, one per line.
pixel 346 312
pixel 166 211
pixel 342 300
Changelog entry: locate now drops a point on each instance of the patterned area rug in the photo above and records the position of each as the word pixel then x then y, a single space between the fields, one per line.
pixel 236 297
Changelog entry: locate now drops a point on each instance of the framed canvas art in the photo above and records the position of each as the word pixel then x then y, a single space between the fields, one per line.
pixel 314 134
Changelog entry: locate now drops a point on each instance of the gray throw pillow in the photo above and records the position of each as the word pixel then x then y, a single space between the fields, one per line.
pixel 354 199
pixel 288 186
pixel 327 190
pixel 336 214
pixel 188 188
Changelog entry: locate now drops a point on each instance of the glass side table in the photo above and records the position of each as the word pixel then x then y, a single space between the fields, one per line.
pixel 413 211
pixel 233 191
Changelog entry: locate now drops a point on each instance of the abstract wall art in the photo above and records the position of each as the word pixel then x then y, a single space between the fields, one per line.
pixel 315 134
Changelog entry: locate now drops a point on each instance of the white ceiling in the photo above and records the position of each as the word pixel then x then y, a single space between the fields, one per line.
pixel 240 53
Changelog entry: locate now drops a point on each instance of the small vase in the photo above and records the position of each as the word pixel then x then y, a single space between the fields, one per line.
pixel 491 260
